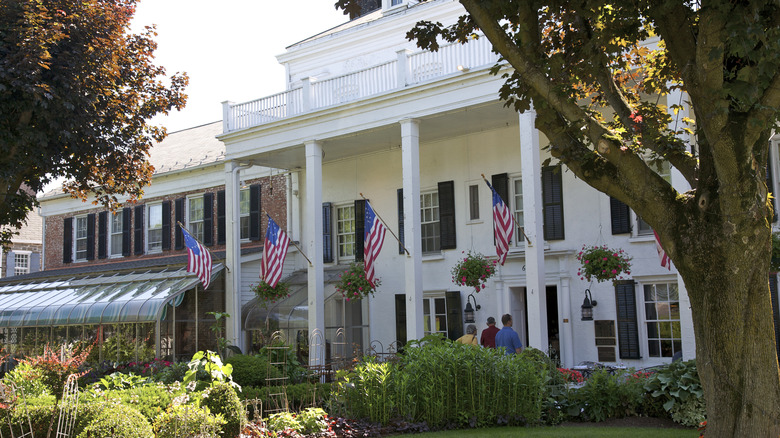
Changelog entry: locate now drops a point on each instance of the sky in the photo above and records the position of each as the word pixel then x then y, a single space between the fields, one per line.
pixel 228 48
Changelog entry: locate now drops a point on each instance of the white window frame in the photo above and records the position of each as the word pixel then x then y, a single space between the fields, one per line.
pixel 148 229
pixel 116 217
pixel 76 238
pixel 432 224
pixel 517 209
pixel 348 234
pixel 647 321
pixel 244 202
pixel 429 321
pixel 25 255
pixel 196 227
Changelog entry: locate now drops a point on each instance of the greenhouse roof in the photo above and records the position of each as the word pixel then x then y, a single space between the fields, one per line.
pixel 104 298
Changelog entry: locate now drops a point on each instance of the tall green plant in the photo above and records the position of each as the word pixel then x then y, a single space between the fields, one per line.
pixel 211 363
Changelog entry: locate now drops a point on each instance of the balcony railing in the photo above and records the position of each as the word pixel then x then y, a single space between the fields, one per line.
pixel 410 68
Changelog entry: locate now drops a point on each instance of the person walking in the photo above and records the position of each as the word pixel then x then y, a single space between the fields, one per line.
pixel 470 338
pixel 488 338
pixel 507 338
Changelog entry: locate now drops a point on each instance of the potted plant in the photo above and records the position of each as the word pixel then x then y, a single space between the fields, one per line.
pixel 265 293
pixel 353 284
pixel 603 263
pixel 474 270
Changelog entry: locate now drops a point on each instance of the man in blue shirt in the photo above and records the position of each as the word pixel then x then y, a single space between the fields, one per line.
pixel 507 338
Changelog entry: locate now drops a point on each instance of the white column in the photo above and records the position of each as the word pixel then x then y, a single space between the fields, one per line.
pixel 532 214
pixel 313 240
pixel 410 160
pixel 566 336
pixel 233 330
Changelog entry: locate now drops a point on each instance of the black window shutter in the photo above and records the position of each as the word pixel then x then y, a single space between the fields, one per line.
pixel 360 228
pixel 91 236
pixel 454 315
pixel 401 228
pixel 166 225
pixel 35 262
pixel 221 236
pixel 400 318
pixel 208 219
pixel 126 231
pixel 327 232
pixel 447 215
pixel 67 240
pixel 627 327
pixel 552 202
pixel 138 230
pixel 775 309
pixel 178 241
pixel 254 212
pixel 621 216
pixel 500 183
pixel 102 234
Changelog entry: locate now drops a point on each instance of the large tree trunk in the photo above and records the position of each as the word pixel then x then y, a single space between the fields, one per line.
pixel 727 284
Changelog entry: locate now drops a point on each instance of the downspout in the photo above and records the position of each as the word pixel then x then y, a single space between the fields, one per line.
pixel 236 310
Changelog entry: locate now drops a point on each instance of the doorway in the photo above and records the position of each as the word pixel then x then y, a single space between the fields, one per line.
pixel 553 332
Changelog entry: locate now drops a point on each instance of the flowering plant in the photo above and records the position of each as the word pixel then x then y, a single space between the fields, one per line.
pixel 571 376
pixel 473 270
pixel 353 284
pixel 603 263
pixel 265 293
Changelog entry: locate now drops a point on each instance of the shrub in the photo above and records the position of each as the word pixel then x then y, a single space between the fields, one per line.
pixel 39 409
pixel 221 399
pixel 679 387
pixel 151 400
pixel 117 420
pixel 180 421
pixel 308 422
pixel 47 371
pixel 607 395
pixel 251 370
pixel 174 373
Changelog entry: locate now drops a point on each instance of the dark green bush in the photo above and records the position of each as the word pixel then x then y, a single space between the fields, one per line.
pixel 186 421
pixel 116 421
pixel 251 370
pixel 221 399
pixel 605 395
pixel 39 409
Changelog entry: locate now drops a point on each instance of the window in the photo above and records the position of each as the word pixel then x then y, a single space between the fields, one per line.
pixel 243 203
pixel 345 230
pixel 195 215
pixel 81 238
pixel 473 202
pixel 662 318
pixel 429 214
pixel 115 237
pixel 154 228
pixel 435 315
pixel 21 263
pixel 517 210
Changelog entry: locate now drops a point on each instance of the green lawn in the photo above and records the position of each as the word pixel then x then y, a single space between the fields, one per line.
pixel 557 432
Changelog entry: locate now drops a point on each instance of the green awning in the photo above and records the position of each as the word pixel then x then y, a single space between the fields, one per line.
pixel 102 299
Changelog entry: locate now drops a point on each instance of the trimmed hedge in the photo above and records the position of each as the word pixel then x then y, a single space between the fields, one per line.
pixel 251 370
pixel 221 399
pixel 116 421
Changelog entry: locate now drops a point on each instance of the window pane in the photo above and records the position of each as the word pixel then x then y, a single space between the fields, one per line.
pixel 430 237
pixel 474 202
pixel 196 209
pixel 650 312
pixel 652 330
pixel 441 306
pixel 665 330
pixel 654 348
pixel 345 230
pixel 244 201
pixel 115 243
pixel 649 293
pixel 518 209
pixel 663 311
pixel 666 348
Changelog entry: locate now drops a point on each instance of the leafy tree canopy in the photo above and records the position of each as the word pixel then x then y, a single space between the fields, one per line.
pixel 76 92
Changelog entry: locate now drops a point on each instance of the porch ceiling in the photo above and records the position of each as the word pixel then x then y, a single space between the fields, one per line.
pixel 441 125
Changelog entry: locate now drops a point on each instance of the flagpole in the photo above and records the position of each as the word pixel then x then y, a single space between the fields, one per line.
pixel 522 230
pixel 291 241
pixel 388 228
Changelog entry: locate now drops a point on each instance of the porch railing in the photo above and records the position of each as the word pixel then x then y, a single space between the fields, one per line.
pixel 409 68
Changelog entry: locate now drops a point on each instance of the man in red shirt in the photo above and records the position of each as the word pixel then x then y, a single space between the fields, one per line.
pixel 488 338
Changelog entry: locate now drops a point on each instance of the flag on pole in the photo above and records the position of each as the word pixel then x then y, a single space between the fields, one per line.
pixel 274 252
pixel 503 225
pixel 198 258
pixel 665 261
pixel 374 238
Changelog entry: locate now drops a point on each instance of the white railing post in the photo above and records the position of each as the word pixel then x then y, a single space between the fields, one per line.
pixel 226 116
pixel 307 98
pixel 404 68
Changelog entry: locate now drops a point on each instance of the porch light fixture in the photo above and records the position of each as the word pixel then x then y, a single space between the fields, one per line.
pixel 587 306
pixel 468 312
pixel 463 68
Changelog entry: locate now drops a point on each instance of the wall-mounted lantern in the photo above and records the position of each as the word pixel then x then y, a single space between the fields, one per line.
pixel 587 306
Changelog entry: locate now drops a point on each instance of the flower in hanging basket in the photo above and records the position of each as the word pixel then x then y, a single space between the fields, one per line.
pixel 473 270
pixel 603 263
pixel 267 294
pixel 353 284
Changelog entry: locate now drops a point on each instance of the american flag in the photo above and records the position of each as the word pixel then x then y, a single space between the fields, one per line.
pixel 274 252
pixel 198 258
pixel 666 262
pixel 503 225
pixel 374 238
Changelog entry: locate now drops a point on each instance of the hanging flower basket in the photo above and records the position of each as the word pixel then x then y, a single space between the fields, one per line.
pixel 267 294
pixel 603 263
pixel 473 270
pixel 353 284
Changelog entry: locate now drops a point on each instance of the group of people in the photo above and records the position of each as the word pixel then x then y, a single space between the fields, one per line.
pixel 492 337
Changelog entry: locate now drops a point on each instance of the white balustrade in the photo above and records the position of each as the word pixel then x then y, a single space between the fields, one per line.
pixel 419 67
